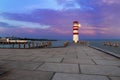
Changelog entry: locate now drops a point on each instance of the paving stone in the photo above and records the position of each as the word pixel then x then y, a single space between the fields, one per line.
pixel 71 53
pixel 60 67
pixel 109 57
pixel 65 56
pixel 115 78
pixel 108 62
pixel 48 59
pixel 2 62
pixel 79 61
pixel 20 52
pixel 83 56
pixel 4 53
pixel 2 71
pixel 27 75
pixel 21 58
pixel 57 52
pixel 21 65
pixel 91 53
pixel 64 76
pixel 22 55
pixel 4 57
pixel 42 56
pixel 100 69
pixel 97 57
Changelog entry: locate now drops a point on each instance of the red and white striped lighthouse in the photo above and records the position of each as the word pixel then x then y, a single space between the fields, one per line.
pixel 76 26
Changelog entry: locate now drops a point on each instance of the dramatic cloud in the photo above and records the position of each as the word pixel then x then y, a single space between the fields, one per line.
pixel 13 24
pixel 5 25
pixel 68 4
pixel 99 19
pixel 110 2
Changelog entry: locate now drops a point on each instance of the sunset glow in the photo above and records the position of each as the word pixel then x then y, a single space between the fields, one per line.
pixel 52 19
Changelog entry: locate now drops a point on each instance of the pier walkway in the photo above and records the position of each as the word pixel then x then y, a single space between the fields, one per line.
pixel 74 62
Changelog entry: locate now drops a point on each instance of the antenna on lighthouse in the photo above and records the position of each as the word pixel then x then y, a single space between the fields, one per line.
pixel 76 26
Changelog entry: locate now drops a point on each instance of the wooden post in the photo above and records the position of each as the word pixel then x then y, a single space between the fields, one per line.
pixel 45 44
pixel 65 44
pixel 49 43
pixel 12 45
pixel 37 44
pixel 28 44
pixel 19 45
pixel 40 44
pixel 33 45
pixel 3 45
pixel 24 45
pixel 116 44
pixel 110 43
pixel 104 43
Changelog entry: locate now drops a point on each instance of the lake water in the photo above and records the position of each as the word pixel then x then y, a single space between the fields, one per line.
pixel 100 44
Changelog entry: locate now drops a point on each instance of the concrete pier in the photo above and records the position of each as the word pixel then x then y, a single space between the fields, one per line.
pixel 74 62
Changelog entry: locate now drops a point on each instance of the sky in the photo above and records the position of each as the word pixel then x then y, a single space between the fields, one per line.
pixel 53 19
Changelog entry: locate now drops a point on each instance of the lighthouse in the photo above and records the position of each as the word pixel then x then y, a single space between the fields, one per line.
pixel 76 26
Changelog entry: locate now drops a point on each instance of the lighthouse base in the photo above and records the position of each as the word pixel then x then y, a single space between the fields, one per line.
pixel 75 42
pixel 75 39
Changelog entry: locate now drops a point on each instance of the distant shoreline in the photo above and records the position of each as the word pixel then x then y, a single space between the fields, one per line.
pixel 32 39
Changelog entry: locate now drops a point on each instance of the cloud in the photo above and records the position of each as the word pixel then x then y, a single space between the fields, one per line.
pixel 68 4
pixel 52 17
pixel 14 24
pixel 110 2
pixel 6 25
pixel 96 17
pixel 86 32
pixel 43 4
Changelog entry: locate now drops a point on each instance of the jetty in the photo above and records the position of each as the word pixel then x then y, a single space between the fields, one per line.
pixel 20 44
pixel 73 62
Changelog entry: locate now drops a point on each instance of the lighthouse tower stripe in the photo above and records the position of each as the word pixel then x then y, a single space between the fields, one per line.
pixel 75 26
pixel 75 33
pixel 75 30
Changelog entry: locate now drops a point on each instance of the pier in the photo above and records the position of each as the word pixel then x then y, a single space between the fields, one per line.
pixel 25 44
pixel 74 62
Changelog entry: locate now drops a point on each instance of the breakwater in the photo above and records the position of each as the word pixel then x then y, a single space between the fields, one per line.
pixel 33 44
pixel 30 44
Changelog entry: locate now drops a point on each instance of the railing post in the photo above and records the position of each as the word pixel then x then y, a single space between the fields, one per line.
pixel 24 45
pixel 33 45
pixel 19 45
pixel 28 44
pixel 12 45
